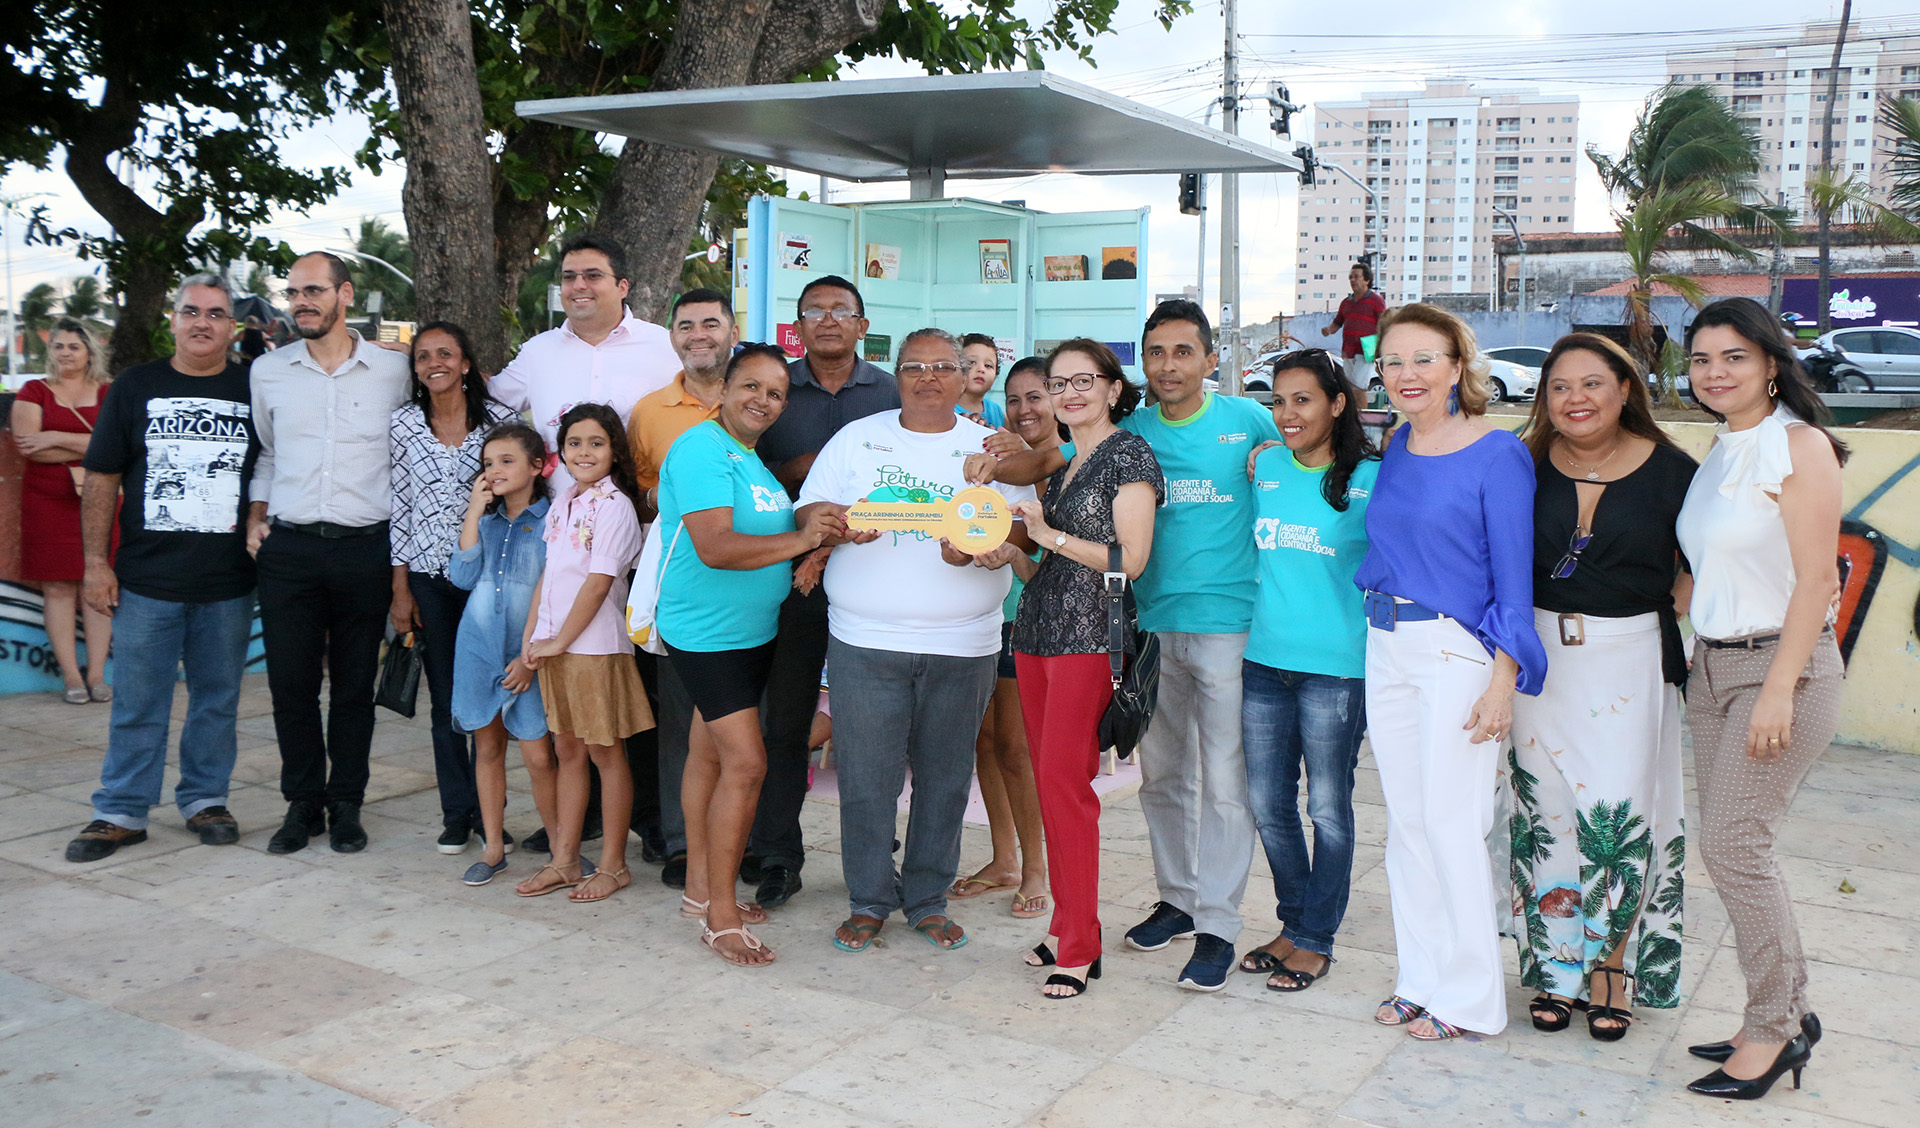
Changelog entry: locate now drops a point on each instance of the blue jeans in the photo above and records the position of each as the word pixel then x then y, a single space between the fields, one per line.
pixel 1285 718
pixel 891 711
pixel 152 638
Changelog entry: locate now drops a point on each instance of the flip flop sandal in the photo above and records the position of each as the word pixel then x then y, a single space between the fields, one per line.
pixel 1286 980
pixel 710 938
pixel 959 891
pixel 863 935
pixel 1027 908
pixel 928 930
pixel 750 913
pixel 1441 1031
pixel 621 879
pixel 565 882
pixel 1261 959
pixel 1404 1010
pixel 1561 1011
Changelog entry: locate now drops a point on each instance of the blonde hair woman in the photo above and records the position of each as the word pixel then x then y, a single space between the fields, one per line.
pixel 52 422
pixel 1449 597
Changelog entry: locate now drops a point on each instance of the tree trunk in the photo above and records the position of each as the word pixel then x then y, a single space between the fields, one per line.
pixel 1826 168
pixel 448 194
pixel 653 203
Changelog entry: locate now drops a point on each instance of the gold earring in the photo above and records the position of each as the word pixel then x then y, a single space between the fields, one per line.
pixel 1771 390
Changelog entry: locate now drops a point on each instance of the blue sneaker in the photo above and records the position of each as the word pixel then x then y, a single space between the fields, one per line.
pixel 1212 960
pixel 1165 925
pixel 480 872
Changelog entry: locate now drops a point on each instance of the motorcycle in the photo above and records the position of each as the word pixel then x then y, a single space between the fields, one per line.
pixel 1830 371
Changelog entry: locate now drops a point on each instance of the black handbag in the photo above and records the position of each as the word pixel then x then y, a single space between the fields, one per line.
pixel 1136 678
pixel 399 684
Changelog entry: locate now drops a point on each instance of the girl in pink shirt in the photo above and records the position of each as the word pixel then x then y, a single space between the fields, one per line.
pixel 577 639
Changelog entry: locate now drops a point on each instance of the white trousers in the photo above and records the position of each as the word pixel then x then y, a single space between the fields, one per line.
pixel 1422 681
pixel 1193 781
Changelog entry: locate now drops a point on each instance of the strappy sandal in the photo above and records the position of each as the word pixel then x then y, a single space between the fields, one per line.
pixel 622 878
pixel 863 935
pixel 1042 956
pixel 1027 908
pixel 1079 985
pixel 1597 1013
pixel 1404 1011
pixel 1441 1030
pixel 1286 980
pixel 750 913
pixel 564 882
pixel 711 939
pixel 1264 958
pixel 1561 1010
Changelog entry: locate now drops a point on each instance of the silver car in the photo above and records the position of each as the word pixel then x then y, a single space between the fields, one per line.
pixel 1510 381
pixel 1888 354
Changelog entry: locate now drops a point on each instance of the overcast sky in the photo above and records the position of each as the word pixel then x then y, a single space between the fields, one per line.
pixel 1179 71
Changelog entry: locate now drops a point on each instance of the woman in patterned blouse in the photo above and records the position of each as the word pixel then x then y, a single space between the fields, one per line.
pixel 436 439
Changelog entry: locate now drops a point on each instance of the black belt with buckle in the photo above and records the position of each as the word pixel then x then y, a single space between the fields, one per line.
pixel 331 531
pixel 1751 642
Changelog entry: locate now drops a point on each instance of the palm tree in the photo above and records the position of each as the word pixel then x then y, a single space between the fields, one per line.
pixel 36 317
pixel 1901 117
pixel 376 238
pixel 1617 845
pixel 83 300
pixel 1687 173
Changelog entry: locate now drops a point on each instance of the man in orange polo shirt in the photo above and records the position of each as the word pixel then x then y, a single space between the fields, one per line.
pixel 703 335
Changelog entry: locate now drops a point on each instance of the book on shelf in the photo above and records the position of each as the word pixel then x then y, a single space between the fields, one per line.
pixel 996 260
pixel 1119 262
pixel 882 261
pixel 796 251
pixel 877 348
pixel 1066 268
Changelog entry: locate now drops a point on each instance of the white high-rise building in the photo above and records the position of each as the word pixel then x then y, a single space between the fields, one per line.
pixel 1779 91
pixel 1441 165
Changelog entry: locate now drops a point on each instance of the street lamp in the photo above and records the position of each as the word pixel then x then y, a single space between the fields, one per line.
pixel 1522 241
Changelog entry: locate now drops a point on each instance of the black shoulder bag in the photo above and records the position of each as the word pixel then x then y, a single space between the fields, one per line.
pixel 1136 680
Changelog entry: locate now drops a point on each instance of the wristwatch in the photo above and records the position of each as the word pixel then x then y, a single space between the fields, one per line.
pixel 1059 542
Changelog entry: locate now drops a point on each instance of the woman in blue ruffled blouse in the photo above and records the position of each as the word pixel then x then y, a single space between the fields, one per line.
pixel 1449 593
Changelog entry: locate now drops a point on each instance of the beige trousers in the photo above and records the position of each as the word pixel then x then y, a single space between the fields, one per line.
pixel 1742 801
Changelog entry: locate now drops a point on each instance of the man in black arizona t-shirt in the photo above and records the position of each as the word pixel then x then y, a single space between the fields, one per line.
pixel 173 447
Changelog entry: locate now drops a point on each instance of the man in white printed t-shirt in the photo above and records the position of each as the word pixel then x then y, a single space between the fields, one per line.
pixel 914 638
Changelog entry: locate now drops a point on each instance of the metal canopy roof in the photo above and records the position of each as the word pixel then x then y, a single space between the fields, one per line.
pixel 972 126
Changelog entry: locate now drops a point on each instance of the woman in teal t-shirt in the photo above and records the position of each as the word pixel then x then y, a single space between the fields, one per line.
pixel 723 576
pixel 1303 693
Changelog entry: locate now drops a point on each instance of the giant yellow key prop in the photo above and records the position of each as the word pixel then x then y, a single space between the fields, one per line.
pixel 975 520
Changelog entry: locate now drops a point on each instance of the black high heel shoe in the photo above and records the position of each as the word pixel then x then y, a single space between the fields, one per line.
pixel 1079 985
pixel 1721 1051
pixel 1043 956
pixel 1793 1057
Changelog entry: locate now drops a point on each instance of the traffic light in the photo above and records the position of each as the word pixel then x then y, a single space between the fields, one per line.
pixel 1282 108
pixel 1308 164
pixel 1192 193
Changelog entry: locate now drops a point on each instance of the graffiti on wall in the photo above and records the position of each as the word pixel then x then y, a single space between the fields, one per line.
pixel 26 659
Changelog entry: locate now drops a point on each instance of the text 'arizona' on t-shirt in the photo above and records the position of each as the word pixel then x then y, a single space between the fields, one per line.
pixel 1199 578
pixel 1308 617
pixel 895 593
pixel 184 447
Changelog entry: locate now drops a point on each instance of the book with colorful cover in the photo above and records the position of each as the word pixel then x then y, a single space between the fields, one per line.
pixel 877 348
pixel 1066 268
pixel 796 251
pixel 882 261
pixel 996 260
pixel 1119 262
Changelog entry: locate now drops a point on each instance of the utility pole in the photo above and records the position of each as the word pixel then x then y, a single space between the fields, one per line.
pixel 1825 206
pixel 1200 275
pixel 1229 328
pixel 1521 305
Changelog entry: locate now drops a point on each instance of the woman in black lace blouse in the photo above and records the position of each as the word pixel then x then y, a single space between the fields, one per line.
pixel 1105 495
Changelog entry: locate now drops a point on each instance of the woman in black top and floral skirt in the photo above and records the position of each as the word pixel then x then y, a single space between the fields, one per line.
pixel 1106 495
pixel 1595 770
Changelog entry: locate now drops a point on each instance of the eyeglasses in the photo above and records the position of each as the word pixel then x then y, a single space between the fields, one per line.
pixel 311 293
pixel 1422 361
pixel 914 368
pixel 837 313
pixel 1576 546
pixel 590 277
pixel 1081 381
pixel 194 313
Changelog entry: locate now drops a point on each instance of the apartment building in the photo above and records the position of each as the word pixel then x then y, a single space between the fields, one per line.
pixel 1779 90
pixel 1431 174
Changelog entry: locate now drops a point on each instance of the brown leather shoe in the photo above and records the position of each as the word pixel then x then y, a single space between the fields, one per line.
pixel 101 839
pixel 215 826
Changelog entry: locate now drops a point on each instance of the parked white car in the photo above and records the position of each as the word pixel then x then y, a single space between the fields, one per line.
pixel 1888 354
pixel 1510 381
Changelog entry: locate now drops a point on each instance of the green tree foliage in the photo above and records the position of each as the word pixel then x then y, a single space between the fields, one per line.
pixel 1901 117
pixel 1686 179
pixel 375 238
pixel 189 104
pixel 84 300
pixel 36 317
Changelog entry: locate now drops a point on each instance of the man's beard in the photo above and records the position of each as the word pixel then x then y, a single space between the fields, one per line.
pixel 327 321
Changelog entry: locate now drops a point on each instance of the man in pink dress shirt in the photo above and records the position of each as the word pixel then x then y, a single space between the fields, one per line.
pixel 601 354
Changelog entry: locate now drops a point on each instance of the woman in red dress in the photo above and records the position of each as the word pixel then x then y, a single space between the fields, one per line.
pixel 52 422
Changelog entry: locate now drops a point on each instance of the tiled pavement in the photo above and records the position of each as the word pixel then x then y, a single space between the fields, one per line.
pixel 177 984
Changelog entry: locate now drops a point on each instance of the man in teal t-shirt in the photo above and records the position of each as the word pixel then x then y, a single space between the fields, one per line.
pixel 1197 594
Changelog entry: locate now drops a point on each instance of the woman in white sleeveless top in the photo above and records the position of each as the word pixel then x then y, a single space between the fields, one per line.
pixel 1761 529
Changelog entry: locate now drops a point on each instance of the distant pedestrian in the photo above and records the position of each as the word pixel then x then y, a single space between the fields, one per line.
pixel 1358 318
